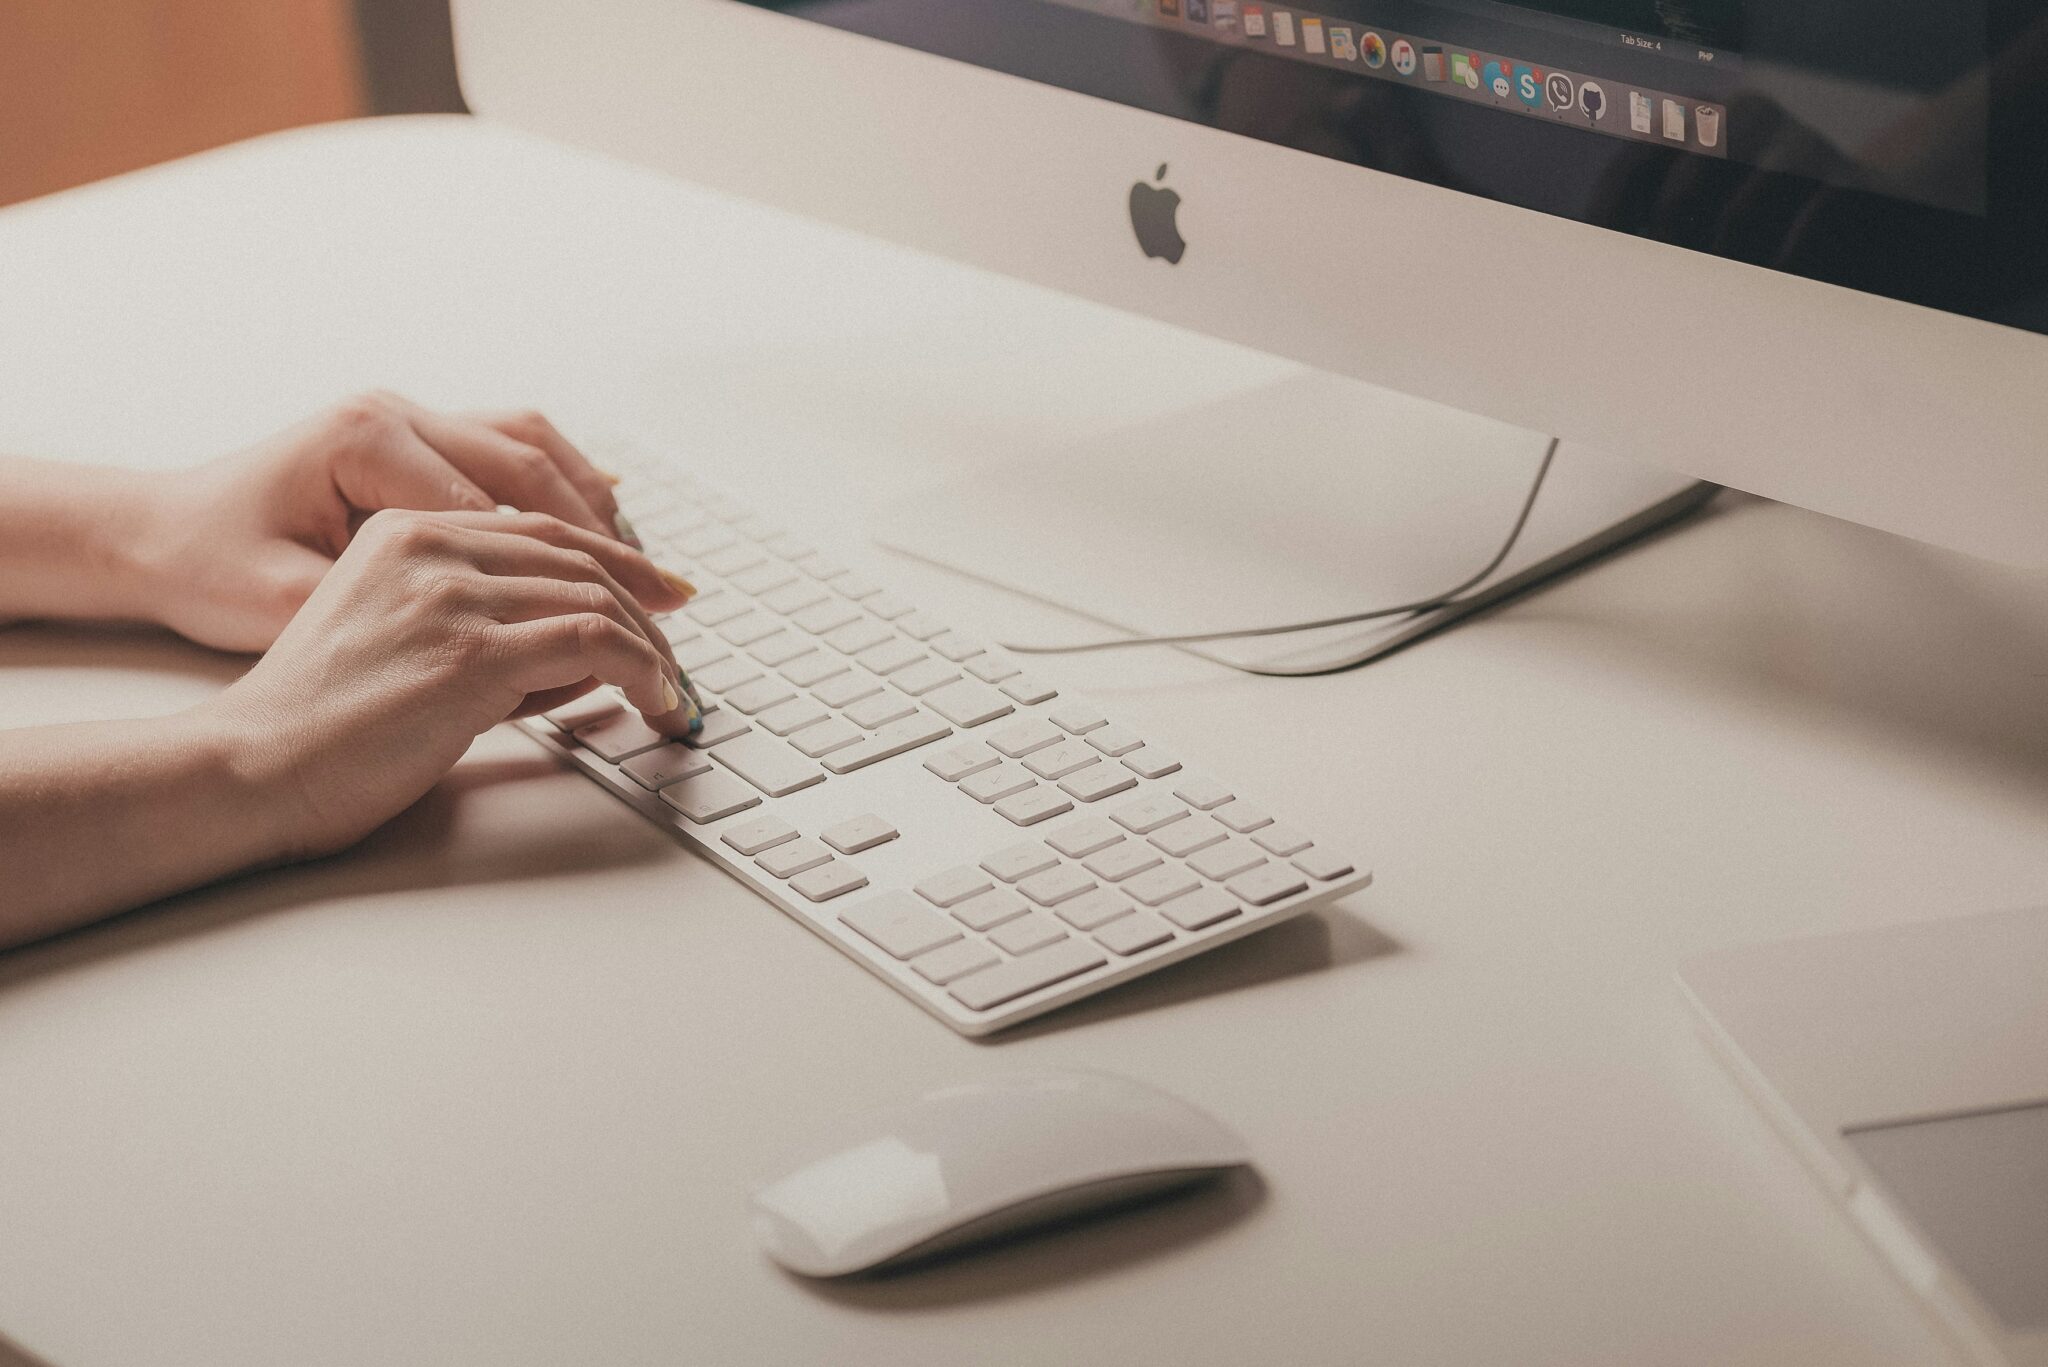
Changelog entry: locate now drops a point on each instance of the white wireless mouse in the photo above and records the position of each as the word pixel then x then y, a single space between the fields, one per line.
pixel 972 1162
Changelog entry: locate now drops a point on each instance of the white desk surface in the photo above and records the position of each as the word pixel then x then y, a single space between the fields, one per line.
pixel 491 1089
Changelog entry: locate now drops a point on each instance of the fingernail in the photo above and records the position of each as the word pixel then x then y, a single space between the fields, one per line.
pixel 623 525
pixel 677 582
pixel 608 477
pixel 696 721
pixel 670 699
pixel 696 698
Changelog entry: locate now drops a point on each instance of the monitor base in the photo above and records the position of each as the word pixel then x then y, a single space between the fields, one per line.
pixel 1314 496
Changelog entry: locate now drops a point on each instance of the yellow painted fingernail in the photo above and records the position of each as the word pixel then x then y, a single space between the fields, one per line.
pixel 670 699
pixel 677 582
pixel 608 477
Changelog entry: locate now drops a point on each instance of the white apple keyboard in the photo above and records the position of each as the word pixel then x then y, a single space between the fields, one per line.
pixel 991 846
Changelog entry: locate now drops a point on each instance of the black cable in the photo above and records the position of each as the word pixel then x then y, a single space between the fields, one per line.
pixel 1442 600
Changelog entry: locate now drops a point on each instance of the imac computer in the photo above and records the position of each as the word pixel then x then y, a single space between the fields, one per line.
pixel 1796 247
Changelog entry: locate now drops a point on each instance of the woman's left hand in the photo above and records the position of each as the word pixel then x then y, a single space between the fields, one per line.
pixel 231 549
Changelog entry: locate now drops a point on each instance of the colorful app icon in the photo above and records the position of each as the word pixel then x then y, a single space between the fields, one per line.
pixel 1342 46
pixel 1312 36
pixel 1283 27
pixel 1560 90
pixel 1674 121
pixel 1224 13
pixel 1463 72
pixel 1495 78
pixel 1404 56
pixel 1373 49
pixel 1592 101
pixel 1254 21
pixel 1638 112
pixel 1198 11
pixel 1529 87
pixel 1433 64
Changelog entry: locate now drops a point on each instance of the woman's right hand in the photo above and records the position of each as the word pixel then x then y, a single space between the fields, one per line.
pixel 430 629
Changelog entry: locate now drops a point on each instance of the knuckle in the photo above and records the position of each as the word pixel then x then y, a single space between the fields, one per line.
pixel 528 424
pixel 531 463
pixel 587 566
pixel 592 600
pixel 363 414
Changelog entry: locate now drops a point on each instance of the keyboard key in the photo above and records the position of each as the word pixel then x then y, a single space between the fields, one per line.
pixel 1055 885
pixel 955 646
pixel 1014 978
pixel 1133 934
pixel 954 886
pixel 1183 838
pixel 880 710
pixel 852 686
pixel 1057 761
pixel 791 716
pixel 1123 859
pixel 768 764
pixel 1020 861
pixel 1321 865
pixel 1078 718
pixel 828 615
pixel 864 634
pixel 853 585
pixel 1147 814
pixel 860 833
pixel 709 796
pixel 956 762
pixel 719 727
pixel 702 653
pixel 1266 885
pixel 1227 860
pixel 1027 933
pixel 993 785
pixel 781 648
pixel 755 626
pixel 1084 836
pixel 759 695
pixel 1033 733
pixel 1097 907
pixel 591 707
pixel 1114 740
pixel 893 739
pixel 739 556
pixel 1202 907
pixel 1242 816
pixel 1203 794
pixel 726 675
pixel 828 881
pixel 1150 762
pixel 942 965
pixel 993 667
pixel 791 547
pixel 888 606
pixel 990 908
pixel 702 542
pixel 793 857
pixel 920 626
pixel 657 768
pixel 922 677
pixel 813 667
pixel 620 736
pixel 968 704
pixel 1098 782
pixel 792 599
pixel 900 925
pixel 1028 690
pixel 1161 885
pixel 763 832
pixel 677 629
pixel 1028 809
pixel 1281 840
pixel 836 733
pixel 765 577
pixel 715 609
pixel 889 656
pixel 818 565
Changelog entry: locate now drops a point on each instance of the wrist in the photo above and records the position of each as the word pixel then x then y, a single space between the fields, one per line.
pixel 248 780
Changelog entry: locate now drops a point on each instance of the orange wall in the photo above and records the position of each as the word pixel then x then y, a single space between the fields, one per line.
pixel 89 88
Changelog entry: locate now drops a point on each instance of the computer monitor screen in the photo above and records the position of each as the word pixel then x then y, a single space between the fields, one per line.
pixel 1892 146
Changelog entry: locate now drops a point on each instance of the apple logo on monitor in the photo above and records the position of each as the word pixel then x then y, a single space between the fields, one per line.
pixel 1153 212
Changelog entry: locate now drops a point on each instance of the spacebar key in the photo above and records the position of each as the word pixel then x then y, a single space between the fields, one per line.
pixel 892 739
pixel 994 986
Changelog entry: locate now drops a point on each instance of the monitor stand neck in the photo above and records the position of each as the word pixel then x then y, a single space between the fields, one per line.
pixel 1311 497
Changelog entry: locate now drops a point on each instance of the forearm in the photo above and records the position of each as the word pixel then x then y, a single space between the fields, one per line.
pixel 100 817
pixel 71 541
